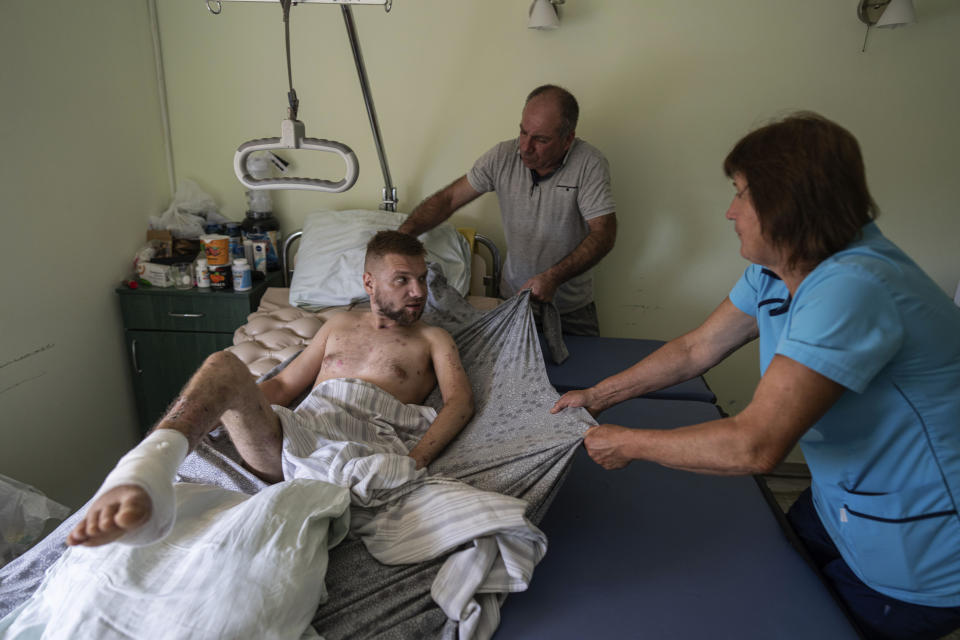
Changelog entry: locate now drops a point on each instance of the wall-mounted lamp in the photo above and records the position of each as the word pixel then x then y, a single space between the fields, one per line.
pixel 544 14
pixel 888 14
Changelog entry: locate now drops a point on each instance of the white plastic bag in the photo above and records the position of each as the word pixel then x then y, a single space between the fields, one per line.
pixel 24 513
pixel 191 208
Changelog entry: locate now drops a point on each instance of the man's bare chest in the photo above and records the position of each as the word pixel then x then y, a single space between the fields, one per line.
pixel 386 353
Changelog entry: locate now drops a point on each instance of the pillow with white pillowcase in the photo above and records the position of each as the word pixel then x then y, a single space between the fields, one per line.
pixel 329 264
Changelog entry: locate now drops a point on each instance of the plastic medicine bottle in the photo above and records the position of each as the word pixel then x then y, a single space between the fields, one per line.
pixel 203 274
pixel 242 277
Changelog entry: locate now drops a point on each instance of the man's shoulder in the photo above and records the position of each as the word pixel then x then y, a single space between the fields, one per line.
pixel 483 175
pixel 432 332
pixel 343 315
pixel 584 151
pixel 343 319
pixel 502 151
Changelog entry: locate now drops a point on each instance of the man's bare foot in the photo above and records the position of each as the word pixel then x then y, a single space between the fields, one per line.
pixel 118 511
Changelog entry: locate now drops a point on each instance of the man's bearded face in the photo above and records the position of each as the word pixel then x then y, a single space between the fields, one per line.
pixel 400 288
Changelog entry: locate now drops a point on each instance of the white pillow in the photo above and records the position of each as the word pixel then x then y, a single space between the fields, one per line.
pixel 329 266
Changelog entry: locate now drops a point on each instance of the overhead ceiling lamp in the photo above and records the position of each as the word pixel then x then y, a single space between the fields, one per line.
pixel 543 14
pixel 888 14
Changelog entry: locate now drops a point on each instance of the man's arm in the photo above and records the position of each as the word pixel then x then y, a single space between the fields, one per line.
pixel 283 388
pixel 439 207
pixel 788 401
pixel 723 332
pixel 457 399
pixel 598 243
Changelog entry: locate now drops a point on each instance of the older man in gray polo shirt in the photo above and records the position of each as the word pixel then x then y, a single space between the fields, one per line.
pixel 555 202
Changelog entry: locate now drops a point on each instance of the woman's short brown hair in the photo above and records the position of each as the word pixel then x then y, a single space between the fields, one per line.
pixel 807 183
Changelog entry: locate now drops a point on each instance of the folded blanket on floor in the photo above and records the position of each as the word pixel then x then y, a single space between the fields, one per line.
pixel 512 446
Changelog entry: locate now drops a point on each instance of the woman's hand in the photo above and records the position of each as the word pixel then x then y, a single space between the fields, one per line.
pixel 578 398
pixel 604 443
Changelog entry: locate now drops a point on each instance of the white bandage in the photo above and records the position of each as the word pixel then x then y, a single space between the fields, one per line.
pixel 151 465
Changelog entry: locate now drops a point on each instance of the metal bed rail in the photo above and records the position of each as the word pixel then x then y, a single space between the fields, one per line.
pixel 494 278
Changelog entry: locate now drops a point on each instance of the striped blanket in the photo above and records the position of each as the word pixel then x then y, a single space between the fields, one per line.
pixel 352 434
pixel 513 446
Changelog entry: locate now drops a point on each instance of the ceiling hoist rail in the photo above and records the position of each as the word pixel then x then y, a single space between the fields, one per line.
pixel 293 131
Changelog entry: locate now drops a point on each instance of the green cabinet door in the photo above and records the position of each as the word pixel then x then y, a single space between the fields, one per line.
pixel 162 362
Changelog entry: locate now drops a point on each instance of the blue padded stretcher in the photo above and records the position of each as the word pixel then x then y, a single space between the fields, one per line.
pixel 652 552
pixel 593 358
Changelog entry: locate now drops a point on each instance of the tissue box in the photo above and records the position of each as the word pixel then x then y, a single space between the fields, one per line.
pixel 159 275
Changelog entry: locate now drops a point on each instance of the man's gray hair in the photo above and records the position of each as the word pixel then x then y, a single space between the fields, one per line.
pixel 569 109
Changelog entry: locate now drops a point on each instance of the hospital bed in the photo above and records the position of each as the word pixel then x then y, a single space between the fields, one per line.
pixel 512 447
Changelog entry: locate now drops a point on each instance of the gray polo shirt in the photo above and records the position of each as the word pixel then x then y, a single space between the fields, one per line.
pixel 544 221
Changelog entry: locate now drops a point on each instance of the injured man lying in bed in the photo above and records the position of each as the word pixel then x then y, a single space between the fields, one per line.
pixel 153 559
pixel 387 347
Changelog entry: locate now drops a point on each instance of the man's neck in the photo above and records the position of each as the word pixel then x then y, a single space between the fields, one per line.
pixel 539 176
pixel 383 323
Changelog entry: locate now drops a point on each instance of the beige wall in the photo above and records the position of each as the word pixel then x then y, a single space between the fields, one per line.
pixel 81 166
pixel 665 88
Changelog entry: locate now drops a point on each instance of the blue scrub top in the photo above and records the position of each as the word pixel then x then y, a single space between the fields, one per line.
pixel 885 459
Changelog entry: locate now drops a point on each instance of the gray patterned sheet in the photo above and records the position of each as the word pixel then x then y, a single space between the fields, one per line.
pixel 513 445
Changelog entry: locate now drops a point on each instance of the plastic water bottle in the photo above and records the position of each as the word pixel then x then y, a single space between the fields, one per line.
pixel 242 277
pixel 236 239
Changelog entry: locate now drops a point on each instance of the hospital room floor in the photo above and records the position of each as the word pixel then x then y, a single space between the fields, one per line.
pixel 787 483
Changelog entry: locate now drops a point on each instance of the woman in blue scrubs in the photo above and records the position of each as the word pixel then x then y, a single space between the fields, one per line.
pixel 860 362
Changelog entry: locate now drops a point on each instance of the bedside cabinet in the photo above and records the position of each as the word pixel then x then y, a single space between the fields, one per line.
pixel 169 332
